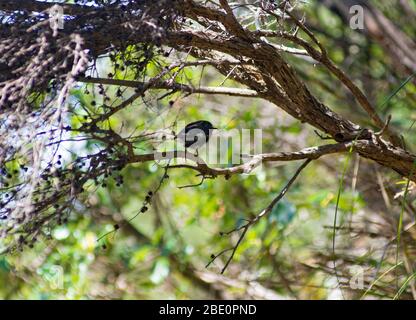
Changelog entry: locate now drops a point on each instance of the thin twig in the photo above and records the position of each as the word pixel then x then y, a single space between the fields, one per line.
pixel 264 212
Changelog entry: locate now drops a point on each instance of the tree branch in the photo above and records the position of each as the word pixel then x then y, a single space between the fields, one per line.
pixel 175 86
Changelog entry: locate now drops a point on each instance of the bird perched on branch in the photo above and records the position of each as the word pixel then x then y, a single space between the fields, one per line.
pixel 196 134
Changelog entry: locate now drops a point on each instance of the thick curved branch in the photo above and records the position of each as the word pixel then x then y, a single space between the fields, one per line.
pixel 256 160
pixel 398 159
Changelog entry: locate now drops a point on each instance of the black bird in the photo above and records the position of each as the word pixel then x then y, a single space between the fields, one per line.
pixel 196 134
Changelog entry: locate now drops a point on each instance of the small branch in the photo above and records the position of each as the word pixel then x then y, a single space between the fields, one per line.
pixel 235 249
pixel 380 133
pixel 249 166
pixel 175 86
pixel 305 29
pixel 264 212
pixel 231 21
pixel 194 185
